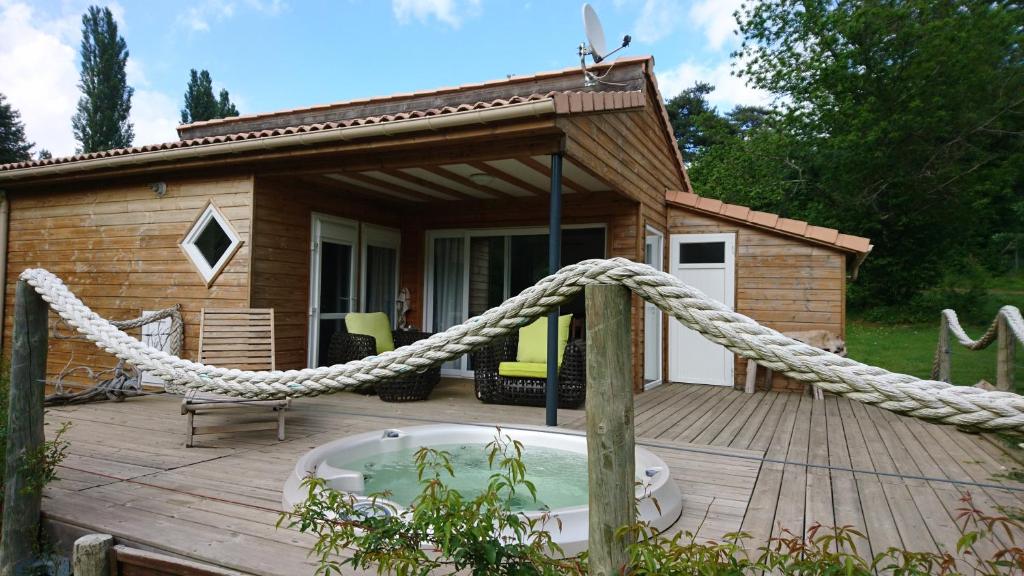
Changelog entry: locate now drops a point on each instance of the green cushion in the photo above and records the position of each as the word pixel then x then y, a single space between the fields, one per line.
pixel 533 340
pixel 374 324
pixel 523 369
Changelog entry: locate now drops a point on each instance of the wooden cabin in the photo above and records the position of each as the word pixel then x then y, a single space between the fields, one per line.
pixel 445 194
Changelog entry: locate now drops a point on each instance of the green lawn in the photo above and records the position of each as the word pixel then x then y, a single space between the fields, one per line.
pixel 910 348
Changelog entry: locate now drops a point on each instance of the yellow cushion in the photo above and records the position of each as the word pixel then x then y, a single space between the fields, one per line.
pixel 372 324
pixel 533 340
pixel 523 369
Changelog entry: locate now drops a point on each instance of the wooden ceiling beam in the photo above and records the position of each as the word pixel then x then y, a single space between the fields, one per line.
pixel 500 174
pixel 460 179
pixel 424 183
pixel 533 164
pixel 371 181
pixel 396 196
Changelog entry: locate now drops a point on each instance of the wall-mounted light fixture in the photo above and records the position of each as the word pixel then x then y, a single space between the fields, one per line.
pixel 159 188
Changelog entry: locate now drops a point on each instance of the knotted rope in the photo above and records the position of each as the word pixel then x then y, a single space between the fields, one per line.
pixel 927 399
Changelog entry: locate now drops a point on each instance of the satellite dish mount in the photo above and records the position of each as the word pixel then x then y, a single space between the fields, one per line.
pixel 595 46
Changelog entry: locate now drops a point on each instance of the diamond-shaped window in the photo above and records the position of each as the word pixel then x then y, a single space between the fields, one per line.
pixel 210 243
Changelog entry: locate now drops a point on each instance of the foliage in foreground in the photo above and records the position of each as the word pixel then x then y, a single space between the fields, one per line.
pixel 447 533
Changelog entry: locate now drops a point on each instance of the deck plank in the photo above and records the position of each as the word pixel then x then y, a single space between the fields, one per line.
pixel 757 462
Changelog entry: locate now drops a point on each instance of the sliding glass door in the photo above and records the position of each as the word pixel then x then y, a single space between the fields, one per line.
pixel 380 270
pixel 471 271
pixel 332 281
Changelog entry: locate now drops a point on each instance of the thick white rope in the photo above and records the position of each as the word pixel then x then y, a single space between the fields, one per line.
pixel 927 399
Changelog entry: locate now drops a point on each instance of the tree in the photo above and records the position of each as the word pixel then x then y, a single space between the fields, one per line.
pixel 101 121
pixel 904 121
pixel 13 146
pixel 43 154
pixel 200 103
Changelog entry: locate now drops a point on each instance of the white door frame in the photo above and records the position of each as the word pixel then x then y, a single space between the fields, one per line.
pixel 382 237
pixel 730 286
pixel 658 258
pixel 340 231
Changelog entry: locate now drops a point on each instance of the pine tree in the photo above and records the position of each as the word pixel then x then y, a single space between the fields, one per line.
pixel 201 104
pixel 13 146
pixel 101 122
pixel 225 107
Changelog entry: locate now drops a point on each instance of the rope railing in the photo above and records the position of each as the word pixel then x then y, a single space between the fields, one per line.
pixel 1006 330
pixel 931 400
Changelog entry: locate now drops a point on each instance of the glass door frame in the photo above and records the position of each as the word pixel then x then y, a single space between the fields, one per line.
pixel 350 237
pixel 466 234
pixel 381 237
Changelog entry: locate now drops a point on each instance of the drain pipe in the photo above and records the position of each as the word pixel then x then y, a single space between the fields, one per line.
pixel 5 209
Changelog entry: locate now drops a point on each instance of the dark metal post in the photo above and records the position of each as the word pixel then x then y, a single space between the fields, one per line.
pixel 555 262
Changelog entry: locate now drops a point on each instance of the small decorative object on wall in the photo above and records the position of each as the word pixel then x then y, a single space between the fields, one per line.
pixel 402 308
pixel 210 243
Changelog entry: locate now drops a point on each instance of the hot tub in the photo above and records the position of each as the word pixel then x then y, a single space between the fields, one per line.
pixel 555 462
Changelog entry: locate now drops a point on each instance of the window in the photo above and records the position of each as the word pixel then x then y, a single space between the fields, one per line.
pixel 702 252
pixel 210 243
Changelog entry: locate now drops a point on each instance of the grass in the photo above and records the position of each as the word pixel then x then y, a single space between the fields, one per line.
pixel 910 348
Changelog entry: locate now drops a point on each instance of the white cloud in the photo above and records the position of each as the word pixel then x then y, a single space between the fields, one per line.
pixel 155 116
pixel 201 15
pixel 716 19
pixel 39 74
pixel 657 19
pixel 729 90
pixel 450 12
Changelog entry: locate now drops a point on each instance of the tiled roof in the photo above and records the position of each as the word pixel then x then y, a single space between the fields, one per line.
pixel 516 79
pixel 787 226
pixel 565 102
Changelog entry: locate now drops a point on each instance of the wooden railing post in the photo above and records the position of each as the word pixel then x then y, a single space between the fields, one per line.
pixel 1006 348
pixel 18 542
pixel 91 555
pixel 945 351
pixel 610 442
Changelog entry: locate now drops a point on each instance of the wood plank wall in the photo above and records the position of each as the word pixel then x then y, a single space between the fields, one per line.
pixel 781 281
pixel 281 252
pixel 116 247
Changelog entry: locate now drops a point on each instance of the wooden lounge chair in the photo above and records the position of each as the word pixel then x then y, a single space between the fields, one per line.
pixel 234 338
pixel 368 334
pixel 514 370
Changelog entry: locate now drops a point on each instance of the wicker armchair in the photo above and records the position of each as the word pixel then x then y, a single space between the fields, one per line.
pixel 493 388
pixel 345 347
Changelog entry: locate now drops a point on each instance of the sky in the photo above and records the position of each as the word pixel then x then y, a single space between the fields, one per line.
pixel 278 54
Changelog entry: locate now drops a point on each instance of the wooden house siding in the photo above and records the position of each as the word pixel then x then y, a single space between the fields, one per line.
pixel 116 246
pixel 781 282
pixel 281 253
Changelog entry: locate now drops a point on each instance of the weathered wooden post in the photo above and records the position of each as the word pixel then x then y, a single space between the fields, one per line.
pixel 91 556
pixel 1006 348
pixel 24 427
pixel 610 443
pixel 945 351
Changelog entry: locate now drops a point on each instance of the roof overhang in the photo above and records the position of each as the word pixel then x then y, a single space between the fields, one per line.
pixel 856 248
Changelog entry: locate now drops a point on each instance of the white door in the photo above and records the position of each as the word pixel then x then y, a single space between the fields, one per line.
pixel 653 256
pixel 706 262
pixel 332 285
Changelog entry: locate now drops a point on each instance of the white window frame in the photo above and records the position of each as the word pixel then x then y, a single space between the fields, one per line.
pixel 350 236
pixel 466 234
pixel 659 260
pixel 381 237
pixel 206 271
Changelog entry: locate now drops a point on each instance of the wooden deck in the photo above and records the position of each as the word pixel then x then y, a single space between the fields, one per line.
pixel 759 463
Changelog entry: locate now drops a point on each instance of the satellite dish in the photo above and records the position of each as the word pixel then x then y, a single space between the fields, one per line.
pixel 595 45
pixel 595 33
